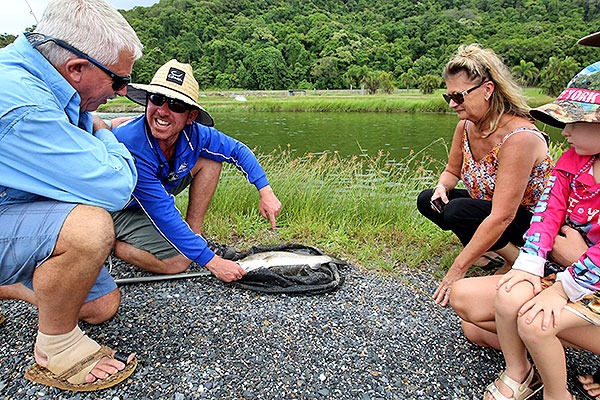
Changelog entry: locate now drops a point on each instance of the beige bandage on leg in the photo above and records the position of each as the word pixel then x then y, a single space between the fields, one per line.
pixel 63 351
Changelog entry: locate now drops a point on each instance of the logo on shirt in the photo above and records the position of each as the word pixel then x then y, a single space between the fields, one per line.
pixel 182 168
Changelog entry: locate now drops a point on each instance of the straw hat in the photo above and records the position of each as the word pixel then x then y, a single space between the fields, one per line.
pixel 579 102
pixel 175 80
pixel 590 40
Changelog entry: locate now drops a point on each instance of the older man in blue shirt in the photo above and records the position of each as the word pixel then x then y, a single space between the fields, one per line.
pixel 61 170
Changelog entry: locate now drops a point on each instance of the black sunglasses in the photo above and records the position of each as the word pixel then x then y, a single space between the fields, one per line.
pixel 119 81
pixel 177 106
pixel 459 97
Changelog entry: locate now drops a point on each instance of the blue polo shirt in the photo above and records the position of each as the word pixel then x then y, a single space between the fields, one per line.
pixel 47 144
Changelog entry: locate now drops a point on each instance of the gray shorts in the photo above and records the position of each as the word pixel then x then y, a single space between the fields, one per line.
pixel 28 237
pixel 133 226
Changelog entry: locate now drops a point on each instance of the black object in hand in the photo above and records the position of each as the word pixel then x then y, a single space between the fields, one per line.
pixel 438 204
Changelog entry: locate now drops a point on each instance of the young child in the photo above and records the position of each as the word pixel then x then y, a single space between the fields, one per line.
pixel 532 320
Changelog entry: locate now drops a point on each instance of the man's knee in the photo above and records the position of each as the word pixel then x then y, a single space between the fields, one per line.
pixel 101 309
pixel 88 228
pixel 206 166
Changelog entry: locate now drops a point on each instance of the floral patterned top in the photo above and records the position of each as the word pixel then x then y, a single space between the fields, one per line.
pixel 479 176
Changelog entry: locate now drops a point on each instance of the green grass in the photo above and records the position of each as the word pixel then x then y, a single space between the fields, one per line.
pixel 360 209
pixel 321 101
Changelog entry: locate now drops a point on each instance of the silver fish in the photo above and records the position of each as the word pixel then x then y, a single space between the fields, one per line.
pixel 269 259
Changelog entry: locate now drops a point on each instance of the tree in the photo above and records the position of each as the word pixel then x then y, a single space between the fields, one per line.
pixel 555 77
pixel 356 75
pixel 407 78
pixel 386 82
pixel 327 74
pixel 268 70
pixel 525 72
pixel 6 39
pixel 429 83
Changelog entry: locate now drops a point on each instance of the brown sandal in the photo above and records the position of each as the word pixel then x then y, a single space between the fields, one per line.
pixel 44 376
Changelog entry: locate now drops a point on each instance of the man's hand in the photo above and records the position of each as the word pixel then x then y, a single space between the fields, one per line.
pixel 225 270
pixel 98 123
pixel 269 206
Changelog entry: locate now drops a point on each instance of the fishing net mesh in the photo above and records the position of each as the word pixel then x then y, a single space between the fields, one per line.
pixel 291 279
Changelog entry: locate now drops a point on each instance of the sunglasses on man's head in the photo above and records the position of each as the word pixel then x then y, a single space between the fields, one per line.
pixel 177 106
pixel 119 81
pixel 459 97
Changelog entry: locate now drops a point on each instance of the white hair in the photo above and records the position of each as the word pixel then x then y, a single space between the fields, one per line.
pixel 92 26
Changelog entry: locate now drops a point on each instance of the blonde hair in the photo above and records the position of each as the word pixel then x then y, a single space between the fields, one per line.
pixel 480 64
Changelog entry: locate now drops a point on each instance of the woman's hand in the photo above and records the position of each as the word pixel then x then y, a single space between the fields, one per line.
pixel 550 303
pixel 440 192
pixel 442 293
pixel 514 276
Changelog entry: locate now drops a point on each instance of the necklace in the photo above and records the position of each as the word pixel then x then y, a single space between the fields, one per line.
pixel 578 188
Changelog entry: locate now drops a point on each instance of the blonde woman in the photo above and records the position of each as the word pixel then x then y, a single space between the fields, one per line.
pixel 499 155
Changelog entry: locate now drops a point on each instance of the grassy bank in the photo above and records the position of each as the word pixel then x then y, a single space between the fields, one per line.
pixel 359 209
pixel 320 101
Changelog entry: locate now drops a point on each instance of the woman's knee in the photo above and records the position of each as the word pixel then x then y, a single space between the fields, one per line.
pixel 461 297
pixel 479 336
pixel 423 200
pixel 507 304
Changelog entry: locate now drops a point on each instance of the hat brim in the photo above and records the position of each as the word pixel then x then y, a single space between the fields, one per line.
pixel 138 92
pixel 590 40
pixel 562 112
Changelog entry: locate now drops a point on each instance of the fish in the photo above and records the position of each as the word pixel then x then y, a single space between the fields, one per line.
pixel 269 259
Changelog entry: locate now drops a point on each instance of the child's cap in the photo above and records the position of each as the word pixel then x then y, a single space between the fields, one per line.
pixel 590 40
pixel 579 102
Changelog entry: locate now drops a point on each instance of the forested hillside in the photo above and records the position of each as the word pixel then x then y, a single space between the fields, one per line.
pixel 283 44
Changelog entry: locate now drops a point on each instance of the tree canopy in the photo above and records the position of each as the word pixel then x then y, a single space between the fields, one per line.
pixel 285 44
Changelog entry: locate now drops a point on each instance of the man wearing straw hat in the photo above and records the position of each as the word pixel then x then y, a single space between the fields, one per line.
pixel 175 146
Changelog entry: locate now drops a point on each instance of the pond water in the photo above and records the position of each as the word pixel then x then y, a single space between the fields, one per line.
pixel 350 133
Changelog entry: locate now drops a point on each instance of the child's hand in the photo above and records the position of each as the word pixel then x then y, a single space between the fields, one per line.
pixel 549 302
pixel 514 276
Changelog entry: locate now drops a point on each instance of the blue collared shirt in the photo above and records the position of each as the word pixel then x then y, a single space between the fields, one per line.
pixel 47 145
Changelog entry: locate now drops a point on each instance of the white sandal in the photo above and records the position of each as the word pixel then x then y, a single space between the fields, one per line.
pixel 521 391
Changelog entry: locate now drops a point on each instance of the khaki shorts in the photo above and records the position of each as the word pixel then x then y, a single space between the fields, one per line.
pixel 133 226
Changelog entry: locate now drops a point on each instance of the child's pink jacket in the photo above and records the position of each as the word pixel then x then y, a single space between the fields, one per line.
pixel 568 199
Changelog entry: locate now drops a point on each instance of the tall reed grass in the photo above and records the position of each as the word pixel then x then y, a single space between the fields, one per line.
pixel 361 209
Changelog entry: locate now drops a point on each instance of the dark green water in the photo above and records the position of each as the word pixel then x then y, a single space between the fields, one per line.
pixel 346 133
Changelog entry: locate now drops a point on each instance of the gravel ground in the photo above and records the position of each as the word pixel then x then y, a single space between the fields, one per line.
pixel 375 338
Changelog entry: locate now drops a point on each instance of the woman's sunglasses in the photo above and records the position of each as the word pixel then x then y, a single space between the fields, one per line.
pixel 177 106
pixel 459 97
pixel 119 81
